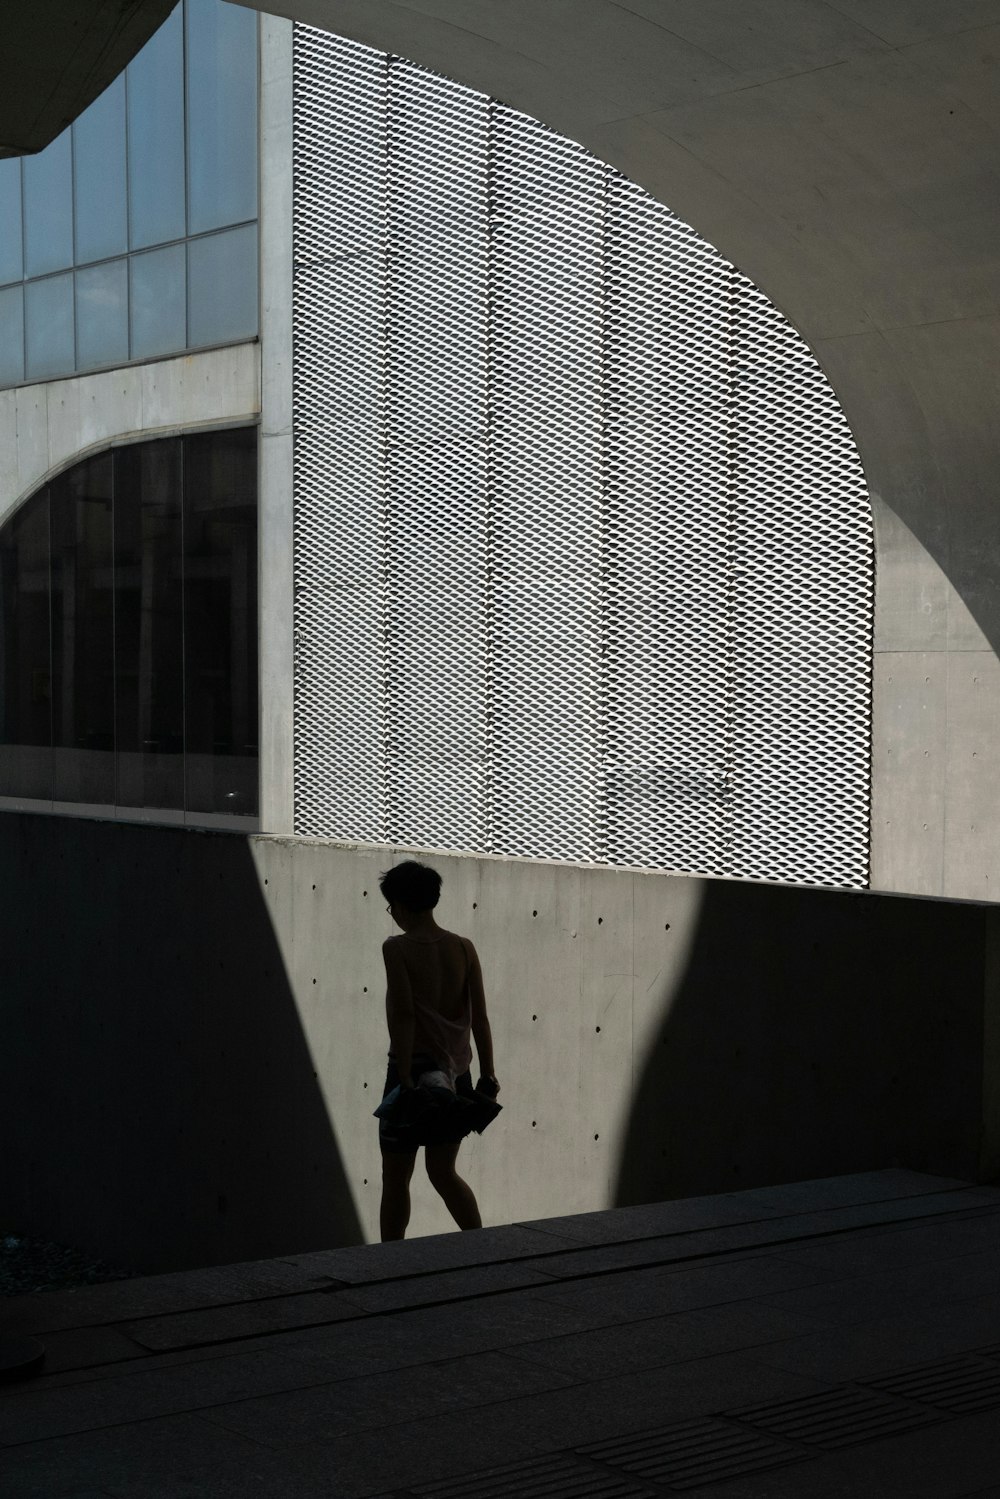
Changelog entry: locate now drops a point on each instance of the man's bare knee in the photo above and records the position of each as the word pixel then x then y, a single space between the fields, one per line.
pixel 440 1165
pixel 397 1169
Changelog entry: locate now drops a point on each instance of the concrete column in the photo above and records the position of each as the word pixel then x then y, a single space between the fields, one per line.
pixel 275 503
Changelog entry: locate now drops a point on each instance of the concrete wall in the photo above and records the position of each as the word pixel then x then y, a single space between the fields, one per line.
pixel 275 536
pixel 847 158
pixel 47 426
pixel 192 1037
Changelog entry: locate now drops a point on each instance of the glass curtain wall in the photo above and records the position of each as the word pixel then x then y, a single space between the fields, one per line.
pixel 128 632
pixel 134 234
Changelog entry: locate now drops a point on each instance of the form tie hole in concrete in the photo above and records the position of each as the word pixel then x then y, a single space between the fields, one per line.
pixel 265 882
pixel 534 913
pixel 534 1017
pixel 474 904
pixel 365 989
pixel 597 1137
pixel 534 1124
pixel 597 1028
pixel 600 921
pixel 314 981
pixel 666 926
pixel 364 892
pixel 314 887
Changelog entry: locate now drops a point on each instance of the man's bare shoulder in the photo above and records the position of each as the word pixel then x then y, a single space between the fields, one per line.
pixel 458 937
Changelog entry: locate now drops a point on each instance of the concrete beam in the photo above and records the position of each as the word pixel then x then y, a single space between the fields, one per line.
pixel 57 56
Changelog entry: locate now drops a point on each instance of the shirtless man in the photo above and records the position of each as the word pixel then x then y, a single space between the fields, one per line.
pixel 434 1005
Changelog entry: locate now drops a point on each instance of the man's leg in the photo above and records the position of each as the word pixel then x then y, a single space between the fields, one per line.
pixel 459 1198
pixel 397 1168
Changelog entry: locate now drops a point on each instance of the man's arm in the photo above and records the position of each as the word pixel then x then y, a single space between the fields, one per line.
pixel 481 1032
pixel 399 1010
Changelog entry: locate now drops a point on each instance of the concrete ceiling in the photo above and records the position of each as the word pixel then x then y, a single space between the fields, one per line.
pixel 56 56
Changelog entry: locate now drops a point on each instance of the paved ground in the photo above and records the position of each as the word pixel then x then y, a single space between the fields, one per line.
pixel 830 1338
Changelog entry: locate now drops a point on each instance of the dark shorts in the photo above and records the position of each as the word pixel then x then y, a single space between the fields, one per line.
pixel 441 1133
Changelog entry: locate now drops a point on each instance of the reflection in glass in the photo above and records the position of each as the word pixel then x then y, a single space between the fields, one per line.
pixel 128 631
pixel 158 320
pixel 222 114
pixel 155 85
pixel 223 286
pixel 25 664
pixel 48 326
pixel 220 622
pixel 99 172
pixel 10 220
pixel 83 651
pixel 11 335
pixel 148 625
pixel 48 208
pixel 102 314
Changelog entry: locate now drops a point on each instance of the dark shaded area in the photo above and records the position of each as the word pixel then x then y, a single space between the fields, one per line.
pixel 84 49
pixel 814 1033
pixel 160 1106
pixel 28 1264
pixel 128 630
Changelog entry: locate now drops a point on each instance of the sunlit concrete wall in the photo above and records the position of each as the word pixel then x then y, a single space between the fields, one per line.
pixel 46 426
pixel 845 157
pixel 192 1037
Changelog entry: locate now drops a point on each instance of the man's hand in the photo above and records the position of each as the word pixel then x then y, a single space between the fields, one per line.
pixel 489 1086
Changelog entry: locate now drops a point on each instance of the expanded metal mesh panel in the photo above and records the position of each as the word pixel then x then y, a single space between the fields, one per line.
pixel 583 550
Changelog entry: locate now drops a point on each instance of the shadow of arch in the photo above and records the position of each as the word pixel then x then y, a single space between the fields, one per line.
pixel 164 1108
pixel 812 1033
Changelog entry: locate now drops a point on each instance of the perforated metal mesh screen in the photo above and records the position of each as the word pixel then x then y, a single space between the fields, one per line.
pixel 582 544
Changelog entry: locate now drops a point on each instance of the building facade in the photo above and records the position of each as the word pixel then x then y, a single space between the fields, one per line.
pixel 383 471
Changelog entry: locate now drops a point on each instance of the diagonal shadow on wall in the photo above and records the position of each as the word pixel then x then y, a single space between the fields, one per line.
pixel 812 1033
pixel 161 1105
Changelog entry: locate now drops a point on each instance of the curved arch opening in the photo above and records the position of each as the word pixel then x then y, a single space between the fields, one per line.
pixel 128 634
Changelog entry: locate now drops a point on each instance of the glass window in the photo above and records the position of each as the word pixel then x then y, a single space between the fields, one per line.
pixel 11 335
pixel 128 631
pixel 48 208
pixel 11 267
pixel 220 621
pixel 158 302
pixel 48 326
pixel 222 271
pixel 25 665
pixel 99 172
pixel 102 314
pixel 155 87
pixel 83 650
pixel 222 114
pixel 149 659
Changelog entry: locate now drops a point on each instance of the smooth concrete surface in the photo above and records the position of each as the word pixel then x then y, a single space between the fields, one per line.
pixel 832 1339
pixel 275 493
pixel 46 427
pixel 192 1038
pixel 845 156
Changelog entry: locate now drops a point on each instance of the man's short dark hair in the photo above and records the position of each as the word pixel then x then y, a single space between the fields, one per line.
pixel 416 886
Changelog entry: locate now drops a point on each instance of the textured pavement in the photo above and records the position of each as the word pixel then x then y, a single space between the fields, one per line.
pixel 828 1338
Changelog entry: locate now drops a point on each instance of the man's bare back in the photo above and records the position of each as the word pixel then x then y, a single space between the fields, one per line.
pixel 438 967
